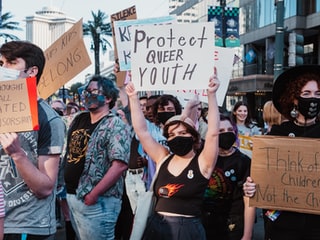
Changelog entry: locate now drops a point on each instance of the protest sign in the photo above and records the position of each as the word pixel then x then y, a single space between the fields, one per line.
pixel 126 14
pixel 65 59
pixel 124 35
pixel 287 173
pixel 172 57
pixel 18 105
pixel 223 61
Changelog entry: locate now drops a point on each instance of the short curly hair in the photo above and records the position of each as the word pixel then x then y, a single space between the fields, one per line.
pixel 293 91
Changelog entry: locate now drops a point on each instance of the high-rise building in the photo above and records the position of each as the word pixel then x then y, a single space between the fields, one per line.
pixel 46 26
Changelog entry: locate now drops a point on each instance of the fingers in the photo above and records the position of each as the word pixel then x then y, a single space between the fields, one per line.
pixel 249 187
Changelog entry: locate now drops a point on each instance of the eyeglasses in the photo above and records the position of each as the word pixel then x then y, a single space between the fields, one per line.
pixel 87 93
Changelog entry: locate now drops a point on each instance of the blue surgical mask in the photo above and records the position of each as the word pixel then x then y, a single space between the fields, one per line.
pixel 9 74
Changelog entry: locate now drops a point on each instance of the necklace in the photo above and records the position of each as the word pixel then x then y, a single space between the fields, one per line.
pixel 305 124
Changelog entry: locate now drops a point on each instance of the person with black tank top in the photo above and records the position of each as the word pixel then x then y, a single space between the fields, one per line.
pixel 184 174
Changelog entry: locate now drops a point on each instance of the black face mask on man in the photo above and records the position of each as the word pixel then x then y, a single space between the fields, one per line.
pixel 226 140
pixel 309 107
pixel 181 145
pixel 163 117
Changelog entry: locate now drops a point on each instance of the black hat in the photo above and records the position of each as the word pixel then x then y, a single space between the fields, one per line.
pixel 283 80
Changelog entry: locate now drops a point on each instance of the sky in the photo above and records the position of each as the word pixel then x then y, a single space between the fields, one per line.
pixel 78 9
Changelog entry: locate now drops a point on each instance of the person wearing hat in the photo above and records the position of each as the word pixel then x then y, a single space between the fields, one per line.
pixel 184 173
pixel 296 95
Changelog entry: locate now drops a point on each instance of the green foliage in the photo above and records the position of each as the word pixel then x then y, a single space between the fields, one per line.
pixel 99 30
pixel 7 24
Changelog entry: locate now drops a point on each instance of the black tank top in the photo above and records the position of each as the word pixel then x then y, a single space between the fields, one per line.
pixel 182 194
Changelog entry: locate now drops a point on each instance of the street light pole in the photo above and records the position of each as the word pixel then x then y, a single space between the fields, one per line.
pixel 278 59
pixel 223 26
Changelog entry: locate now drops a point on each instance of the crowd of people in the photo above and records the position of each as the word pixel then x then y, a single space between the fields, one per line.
pixel 93 165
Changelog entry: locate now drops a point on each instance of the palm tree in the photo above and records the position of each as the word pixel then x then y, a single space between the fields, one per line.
pixel 6 24
pixel 98 29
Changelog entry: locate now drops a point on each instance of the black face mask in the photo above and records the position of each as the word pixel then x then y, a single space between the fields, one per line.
pixel 309 107
pixel 181 145
pixel 163 117
pixel 226 140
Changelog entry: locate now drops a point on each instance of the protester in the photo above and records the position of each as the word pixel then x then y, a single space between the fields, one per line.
pixel 150 106
pixel 241 116
pixel 227 215
pixel 31 159
pixel 61 204
pixel 183 177
pixel 143 104
pixel 296 95
pixel 271 116
pixel 246 128
pixel 97 154
pixel 165 107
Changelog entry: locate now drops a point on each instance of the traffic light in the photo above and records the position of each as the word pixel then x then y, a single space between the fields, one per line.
pixel 296 49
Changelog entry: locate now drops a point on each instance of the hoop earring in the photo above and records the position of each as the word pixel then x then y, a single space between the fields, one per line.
pixel 294 113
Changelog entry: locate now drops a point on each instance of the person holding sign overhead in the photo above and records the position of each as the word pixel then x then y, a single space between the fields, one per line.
pixel 184 173
pixel 296 95
pixel 30 159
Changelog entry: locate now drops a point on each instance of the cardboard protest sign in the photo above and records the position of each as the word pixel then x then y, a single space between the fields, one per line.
pixel 126 14
pixel 65 58
pixel 172 57
pixel 287 173
pixel 123 33
pixel 18 105
pixel 223 61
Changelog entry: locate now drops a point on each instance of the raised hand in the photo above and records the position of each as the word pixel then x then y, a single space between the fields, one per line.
pixel 130 89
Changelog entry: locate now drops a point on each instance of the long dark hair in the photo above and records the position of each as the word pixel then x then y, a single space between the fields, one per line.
pixel 247 121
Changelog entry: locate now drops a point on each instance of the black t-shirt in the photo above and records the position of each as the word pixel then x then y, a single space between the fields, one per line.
pixel 78 137
pixel 290 129
pixel 224 193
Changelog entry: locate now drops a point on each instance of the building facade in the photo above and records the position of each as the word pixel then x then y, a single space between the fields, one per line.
pixel 46 26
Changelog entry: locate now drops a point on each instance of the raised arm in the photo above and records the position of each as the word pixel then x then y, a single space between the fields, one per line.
pixel 155 150
pixel 209 154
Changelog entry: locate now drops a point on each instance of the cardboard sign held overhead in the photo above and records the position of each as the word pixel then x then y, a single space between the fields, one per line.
pixel 126 14
pixel 65 59
pixel 287 173
pixel 172 57
pixel 18 105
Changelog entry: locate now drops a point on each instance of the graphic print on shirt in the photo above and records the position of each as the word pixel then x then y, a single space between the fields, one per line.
pixel 12 182
pixel 78 145
pixel 169 190
pixel 219 185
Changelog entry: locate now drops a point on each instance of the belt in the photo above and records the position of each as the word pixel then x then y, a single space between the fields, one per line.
pixel 135 171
